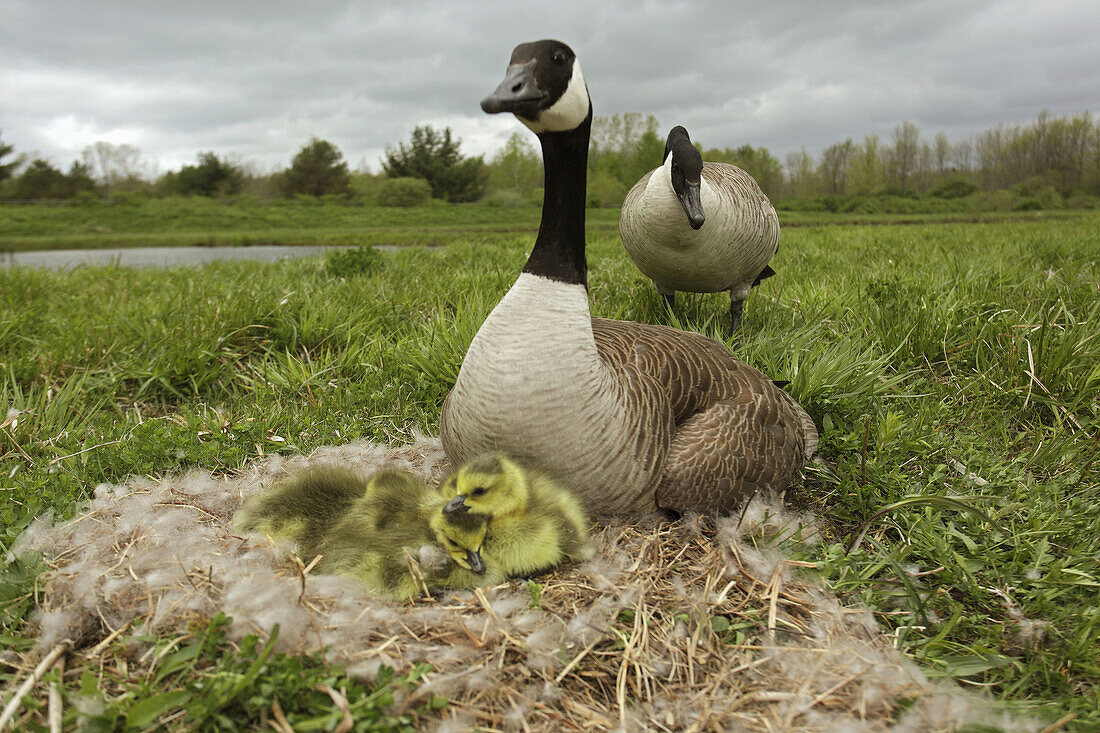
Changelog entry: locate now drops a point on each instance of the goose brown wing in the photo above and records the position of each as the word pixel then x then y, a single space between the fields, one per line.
pixel 733 431
pixel 724 455
pixel 642 381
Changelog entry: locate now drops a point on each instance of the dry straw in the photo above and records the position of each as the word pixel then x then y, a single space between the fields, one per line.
pixel 626 641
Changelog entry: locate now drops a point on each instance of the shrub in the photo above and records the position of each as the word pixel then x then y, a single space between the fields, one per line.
pixel 1082 201
pixel 954 187
pixel 129 198
pixel 403 192
pixel 350 262
pixel 605 191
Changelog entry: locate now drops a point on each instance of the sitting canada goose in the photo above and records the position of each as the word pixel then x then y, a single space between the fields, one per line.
pixel 662 226
pixel 634 417
pixel 364 528
pixel 535 523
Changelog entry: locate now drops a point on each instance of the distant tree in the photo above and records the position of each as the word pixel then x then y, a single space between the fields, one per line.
pixel 114 166
pixel 833 169
pixel 903 158
pixel 962 155
pixel 517 166
pixel 6 169
pixel 79 179
pixel 757 162
pixel 801 177
pixel 865 170
pixel 40 180
pixel 624 148
pixel 648 153
pixel 212 176
pixel 942 152
pixel 319 169
pixel 434 156
pixel 619 133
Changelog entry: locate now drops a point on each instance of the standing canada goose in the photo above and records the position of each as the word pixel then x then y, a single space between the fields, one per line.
pixel 364 528
pixel 534 522
pixel 699 227
pixel 634 417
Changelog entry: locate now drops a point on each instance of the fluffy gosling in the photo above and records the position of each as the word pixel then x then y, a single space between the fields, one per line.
pixel 534 522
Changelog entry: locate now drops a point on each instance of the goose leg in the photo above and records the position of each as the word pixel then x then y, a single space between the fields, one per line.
pixel 668 295
pixel 735 313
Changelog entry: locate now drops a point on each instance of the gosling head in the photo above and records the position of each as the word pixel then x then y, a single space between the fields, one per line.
pixel 543 87
pixel 686 170
pixel 493 485
pixel 462 536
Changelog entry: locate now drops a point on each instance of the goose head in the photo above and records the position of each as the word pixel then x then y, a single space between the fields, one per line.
pixel 461 536
pixel 543 87
pixel 686 172
pixel 492 486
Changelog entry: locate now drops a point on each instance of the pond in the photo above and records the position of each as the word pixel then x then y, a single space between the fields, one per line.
pixel 61 259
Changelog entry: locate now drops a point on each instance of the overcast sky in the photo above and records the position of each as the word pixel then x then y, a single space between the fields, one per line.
pixel 257 79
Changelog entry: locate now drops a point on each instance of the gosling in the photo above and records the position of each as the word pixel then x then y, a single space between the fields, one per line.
pixel 534 522
pixel 397 519
pixel 370 528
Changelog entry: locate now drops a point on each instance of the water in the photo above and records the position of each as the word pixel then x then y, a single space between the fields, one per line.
pixel 63 259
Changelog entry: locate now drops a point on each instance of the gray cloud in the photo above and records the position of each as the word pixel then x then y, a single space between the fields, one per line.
pixel 257 79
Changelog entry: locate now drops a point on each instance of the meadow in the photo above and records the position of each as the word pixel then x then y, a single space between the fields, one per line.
pixel 953 369
pixel 133 220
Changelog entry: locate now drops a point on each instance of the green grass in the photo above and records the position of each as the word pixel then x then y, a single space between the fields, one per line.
pixel 198 221
pixel 918 350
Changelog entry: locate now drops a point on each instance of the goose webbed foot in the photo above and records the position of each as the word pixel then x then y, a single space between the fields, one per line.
pixel 736 306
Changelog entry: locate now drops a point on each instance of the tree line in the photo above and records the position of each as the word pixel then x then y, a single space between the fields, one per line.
pixel 1048 162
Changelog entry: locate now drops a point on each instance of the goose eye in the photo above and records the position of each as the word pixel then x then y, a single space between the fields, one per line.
pixel 480 491
pixel 559 57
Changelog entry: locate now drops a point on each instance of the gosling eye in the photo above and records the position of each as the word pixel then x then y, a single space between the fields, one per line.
pixel 479 491
pixel 559 57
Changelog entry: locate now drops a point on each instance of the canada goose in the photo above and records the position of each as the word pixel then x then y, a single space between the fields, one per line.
pixel 699 227
pixel 634 417
pixel 363 528
pixel 535 523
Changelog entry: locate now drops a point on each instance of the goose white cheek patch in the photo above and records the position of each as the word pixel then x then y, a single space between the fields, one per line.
pixel 568 112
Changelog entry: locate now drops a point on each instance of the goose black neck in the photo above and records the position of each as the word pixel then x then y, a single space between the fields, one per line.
pixel 558 253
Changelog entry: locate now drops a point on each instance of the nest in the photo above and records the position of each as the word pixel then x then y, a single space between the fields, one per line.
pixel 699 624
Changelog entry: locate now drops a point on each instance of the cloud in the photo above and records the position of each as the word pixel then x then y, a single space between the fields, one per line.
pixel 257 79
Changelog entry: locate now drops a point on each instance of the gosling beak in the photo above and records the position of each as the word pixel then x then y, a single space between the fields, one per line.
pixel 518 93
pixel 693 205
pixel 457 504
pixel 476 563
